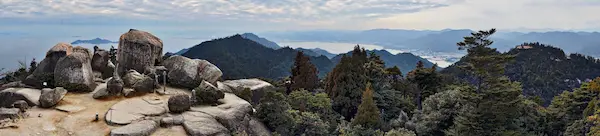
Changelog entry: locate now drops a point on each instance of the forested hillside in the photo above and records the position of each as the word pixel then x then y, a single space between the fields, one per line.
pixel 239 57
pixel 543 70
pixel 405 61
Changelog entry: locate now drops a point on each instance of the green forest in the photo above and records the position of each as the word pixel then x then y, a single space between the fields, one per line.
pixel 479 96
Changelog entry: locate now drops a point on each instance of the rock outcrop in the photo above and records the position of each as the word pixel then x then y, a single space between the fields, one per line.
pixel 172 120
pixel 206 93
pixel 11 95
pixel 142 128
pixel 45 70
pixel 51 97
pixel 179 103
pixel 74 71
pixel 100 61
pixel 257 86
pixel 141 84
pixel 234 113
pixel 101 92
pixel 202 124
pixel 115 85
pixel 134 109
pixel 190 73
pixel 9 113
pixel 138 50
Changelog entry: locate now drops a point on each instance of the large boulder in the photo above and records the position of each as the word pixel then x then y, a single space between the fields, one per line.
pixel 257 128
pixel 179 103
pixel 100 61
pixel 141 84
pixel 11 95
pixel 206 93
pixel 51 97
pixel 233 113
pixel 257 86
pixel 190 73
pixel 101 92
pixel 45 69
pixel 74 71
pixel 142 128
pixel 202 124
pixel 130 110
pixel 115 85
pixel 138 50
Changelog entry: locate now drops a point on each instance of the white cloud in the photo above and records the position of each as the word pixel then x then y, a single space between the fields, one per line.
pixel 503 14
pixel 325 14
pixel 291 11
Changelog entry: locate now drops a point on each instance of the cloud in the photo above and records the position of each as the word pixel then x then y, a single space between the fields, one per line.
pixel 289 11
pixel 504 14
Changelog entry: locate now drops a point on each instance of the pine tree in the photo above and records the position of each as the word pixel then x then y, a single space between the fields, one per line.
pixel 368 113
pixel 304 73
pixel 428 81
pixel 346 82
pixel 394 73
pixel 490 108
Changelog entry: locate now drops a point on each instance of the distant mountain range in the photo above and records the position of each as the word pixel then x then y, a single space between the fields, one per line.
pixel 93 41
pixel 543 70
pixel 261 40
pixel 445 40
pixel 240 57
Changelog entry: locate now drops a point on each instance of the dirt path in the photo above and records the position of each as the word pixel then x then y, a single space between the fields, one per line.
pixel 58 123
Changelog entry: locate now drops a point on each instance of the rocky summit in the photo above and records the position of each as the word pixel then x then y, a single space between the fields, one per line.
pixel 76 91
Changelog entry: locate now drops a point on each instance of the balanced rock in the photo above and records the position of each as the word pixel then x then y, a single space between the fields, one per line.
pixel 257 86
pixel 206 93
pixel 45 69
pixel 51 97
pixel 138 50
pixel 179 103
pixel 142 128
pixel 74 71
pixel 11 95
pixel 130 110
pixel 190 73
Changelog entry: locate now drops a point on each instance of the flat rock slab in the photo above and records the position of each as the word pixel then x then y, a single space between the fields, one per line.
pixel 142 128
pixel 70 108
pixel 11 95
pixel 233 113
pixel 202 124
pixel 127 111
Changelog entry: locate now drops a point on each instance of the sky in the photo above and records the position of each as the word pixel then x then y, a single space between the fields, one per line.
pixel 29 27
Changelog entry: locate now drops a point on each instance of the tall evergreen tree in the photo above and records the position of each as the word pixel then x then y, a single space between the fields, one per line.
pixel 428 81
pixel 304 73
pixel 490 108
pixel 346 83
pixel 368 113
